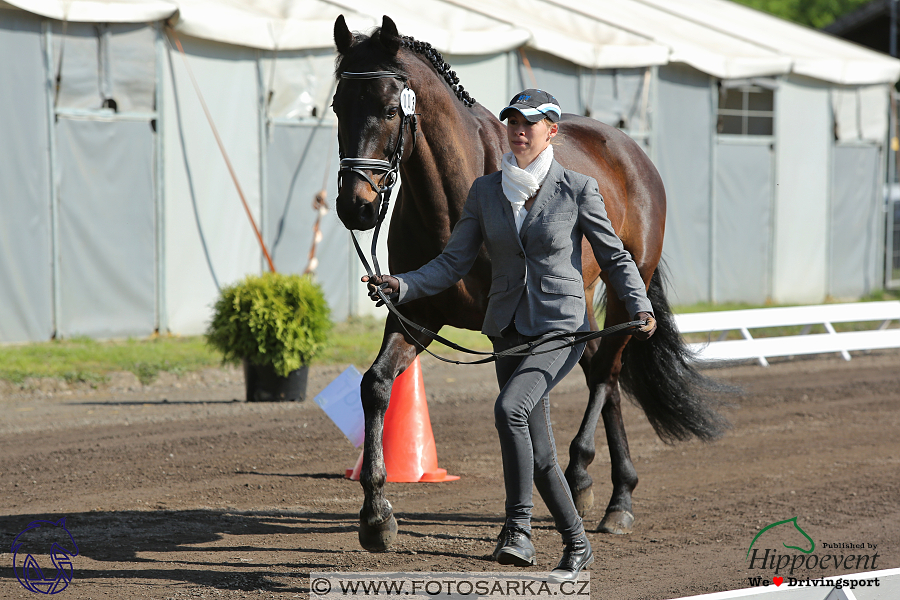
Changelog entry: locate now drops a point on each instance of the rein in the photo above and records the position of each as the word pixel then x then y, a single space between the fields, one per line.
pixel 391 170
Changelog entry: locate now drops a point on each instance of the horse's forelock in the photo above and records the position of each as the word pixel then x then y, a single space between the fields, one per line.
pixel 361 57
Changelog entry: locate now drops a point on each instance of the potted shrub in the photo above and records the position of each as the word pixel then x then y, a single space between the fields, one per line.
pixel 275 325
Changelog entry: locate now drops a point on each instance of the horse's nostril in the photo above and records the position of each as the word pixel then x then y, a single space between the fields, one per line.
pixel 366 211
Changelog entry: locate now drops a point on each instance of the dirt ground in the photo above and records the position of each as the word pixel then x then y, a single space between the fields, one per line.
pixel 181 490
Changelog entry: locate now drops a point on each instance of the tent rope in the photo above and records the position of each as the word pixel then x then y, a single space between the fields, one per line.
pixel 237 185
pixel 527 64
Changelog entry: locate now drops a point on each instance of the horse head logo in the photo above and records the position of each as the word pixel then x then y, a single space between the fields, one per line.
pixel 793 521
pixel 62 548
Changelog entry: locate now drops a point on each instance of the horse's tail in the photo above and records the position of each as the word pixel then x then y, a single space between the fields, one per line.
pixel 660 375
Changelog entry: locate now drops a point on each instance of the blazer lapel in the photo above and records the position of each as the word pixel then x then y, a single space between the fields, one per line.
pixel 506 211
pixel 548 191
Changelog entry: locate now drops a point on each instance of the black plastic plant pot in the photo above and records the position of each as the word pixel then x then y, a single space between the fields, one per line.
pixel 264 385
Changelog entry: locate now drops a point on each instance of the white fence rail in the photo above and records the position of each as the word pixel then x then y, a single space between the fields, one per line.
pixel 793 345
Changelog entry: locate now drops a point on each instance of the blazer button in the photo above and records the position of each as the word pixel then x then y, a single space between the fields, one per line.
pixel 521 255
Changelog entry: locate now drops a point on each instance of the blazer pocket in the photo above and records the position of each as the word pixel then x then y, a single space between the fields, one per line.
pixel 558 216
pixel 562 285
pixel 499 284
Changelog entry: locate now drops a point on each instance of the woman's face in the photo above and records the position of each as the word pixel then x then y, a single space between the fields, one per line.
pixel 527 140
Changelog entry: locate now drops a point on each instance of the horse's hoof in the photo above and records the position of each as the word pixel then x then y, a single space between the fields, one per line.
pixel 377 537
pixel 618 522
pixel 584 500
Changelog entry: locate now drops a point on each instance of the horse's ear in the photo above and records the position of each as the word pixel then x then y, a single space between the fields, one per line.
pixel 343 38
pixel 389 37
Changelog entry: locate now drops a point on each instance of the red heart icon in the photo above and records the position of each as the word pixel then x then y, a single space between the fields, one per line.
pixel 777 581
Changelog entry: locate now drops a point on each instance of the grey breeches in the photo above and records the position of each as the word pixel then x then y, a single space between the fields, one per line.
pixel 522 418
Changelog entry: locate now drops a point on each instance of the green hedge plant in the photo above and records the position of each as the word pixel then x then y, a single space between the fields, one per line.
pixel 273 319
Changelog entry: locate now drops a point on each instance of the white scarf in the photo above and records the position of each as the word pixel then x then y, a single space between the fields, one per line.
pixel 521 184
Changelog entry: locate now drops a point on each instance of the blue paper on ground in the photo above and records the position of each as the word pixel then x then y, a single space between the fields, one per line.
pixel 342 402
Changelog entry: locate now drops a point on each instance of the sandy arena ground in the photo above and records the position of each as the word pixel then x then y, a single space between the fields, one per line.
pixel 178 490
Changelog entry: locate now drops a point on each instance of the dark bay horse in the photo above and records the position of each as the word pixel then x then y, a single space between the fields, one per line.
pixel 457 141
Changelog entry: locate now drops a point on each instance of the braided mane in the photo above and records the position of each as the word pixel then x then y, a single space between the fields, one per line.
pixel 440 65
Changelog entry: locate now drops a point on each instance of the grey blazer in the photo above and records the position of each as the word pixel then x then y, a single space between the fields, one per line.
pixel 536 274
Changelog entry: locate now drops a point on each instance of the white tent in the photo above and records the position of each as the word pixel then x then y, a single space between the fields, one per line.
pixel 120 216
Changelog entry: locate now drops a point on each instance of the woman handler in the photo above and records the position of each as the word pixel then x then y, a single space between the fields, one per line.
pixel 531 216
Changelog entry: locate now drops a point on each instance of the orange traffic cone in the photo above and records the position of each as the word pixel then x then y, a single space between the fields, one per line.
pixel 410 455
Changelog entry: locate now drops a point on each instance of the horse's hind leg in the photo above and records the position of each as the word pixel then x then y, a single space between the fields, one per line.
pixel 377 525
pixel 602 368
pixel 619 517
pixel 583 447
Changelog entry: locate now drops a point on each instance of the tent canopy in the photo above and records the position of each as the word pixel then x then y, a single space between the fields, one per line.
pixel 812 53
pixel 99 11
pixel 718 37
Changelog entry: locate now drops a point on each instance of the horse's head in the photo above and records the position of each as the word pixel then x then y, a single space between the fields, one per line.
pixel 370 123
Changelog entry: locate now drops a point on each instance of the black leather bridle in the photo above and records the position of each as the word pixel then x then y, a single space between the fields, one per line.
pixel 391 170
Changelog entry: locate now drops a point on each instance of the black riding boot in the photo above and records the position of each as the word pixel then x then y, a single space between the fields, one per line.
pixel 577 555
pixel 514 547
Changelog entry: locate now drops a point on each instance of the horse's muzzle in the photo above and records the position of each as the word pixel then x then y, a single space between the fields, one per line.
pixel 357 213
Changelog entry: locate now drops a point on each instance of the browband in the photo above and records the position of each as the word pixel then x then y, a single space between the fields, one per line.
pixel 372 75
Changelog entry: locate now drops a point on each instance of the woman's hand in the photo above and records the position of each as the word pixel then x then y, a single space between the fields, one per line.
pixel 647 330
pixel 388 284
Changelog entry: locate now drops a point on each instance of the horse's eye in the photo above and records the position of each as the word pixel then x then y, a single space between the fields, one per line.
pixel 391 112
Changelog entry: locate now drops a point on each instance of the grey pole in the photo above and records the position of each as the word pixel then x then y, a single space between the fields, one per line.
pixel 47 28
pixel 893 40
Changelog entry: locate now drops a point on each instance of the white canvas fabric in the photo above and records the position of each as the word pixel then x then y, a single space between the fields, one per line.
pixel 267 24
pixel 100 11
pixel 450 28
pixel 581 37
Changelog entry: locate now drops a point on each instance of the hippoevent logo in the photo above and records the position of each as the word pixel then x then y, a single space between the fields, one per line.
pixel 801 568
pixel 43 537
pixel 792 521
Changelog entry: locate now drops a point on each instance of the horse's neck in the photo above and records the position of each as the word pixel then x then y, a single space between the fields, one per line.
pixel 457 144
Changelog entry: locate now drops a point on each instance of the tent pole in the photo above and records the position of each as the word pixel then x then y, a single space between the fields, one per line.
pixel 263 127
pixel 893 156
pixel 47 28
pixel 162 316
pixel 893 41
pixel 652 137
pixel 713 207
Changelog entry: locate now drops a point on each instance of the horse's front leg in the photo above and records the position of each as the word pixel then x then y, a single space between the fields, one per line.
pixel 377 525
